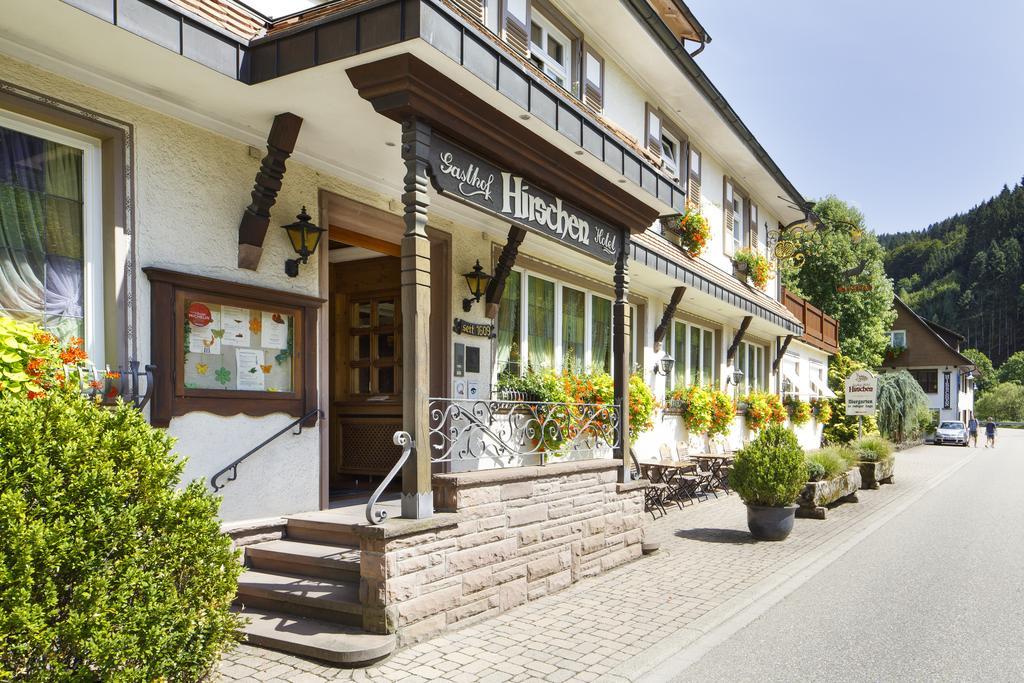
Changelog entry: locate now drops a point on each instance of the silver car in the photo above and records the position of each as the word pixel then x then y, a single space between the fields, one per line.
pixel 953 432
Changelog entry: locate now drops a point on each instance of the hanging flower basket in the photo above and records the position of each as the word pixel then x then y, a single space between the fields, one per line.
pixel 752 266
pixel 690 232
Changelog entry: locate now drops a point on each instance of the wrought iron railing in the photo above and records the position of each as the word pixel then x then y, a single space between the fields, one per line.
pixel 404 440
pixel 507 431
pixel 233 467
pixel 124 383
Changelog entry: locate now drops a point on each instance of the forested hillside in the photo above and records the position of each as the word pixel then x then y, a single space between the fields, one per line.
pixel 966 272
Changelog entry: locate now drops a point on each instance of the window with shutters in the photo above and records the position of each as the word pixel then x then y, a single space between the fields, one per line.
pixel 670 152
pixel 551 50
pixel 492 15
pixel 473 8
pixel 737 222
pixel 752 231
pixel 516 22
pixel 693 183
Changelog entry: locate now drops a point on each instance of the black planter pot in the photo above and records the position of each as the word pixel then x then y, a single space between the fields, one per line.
pixel 770 523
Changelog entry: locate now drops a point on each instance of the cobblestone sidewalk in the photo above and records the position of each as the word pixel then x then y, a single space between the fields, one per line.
pixel 706 558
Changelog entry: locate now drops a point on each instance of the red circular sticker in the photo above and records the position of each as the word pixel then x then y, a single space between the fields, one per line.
pixel 199 315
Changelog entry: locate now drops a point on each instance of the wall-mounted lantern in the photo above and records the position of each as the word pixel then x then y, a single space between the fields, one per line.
pixel 305 238
pixel 665 365
pixel 477 280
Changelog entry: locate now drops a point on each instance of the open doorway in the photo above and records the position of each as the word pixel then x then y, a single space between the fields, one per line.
pixel 366 368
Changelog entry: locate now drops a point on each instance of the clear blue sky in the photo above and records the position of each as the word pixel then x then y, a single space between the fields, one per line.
pixel 912 110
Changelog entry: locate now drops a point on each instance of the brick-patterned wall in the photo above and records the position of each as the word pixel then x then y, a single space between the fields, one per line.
pixel 520 534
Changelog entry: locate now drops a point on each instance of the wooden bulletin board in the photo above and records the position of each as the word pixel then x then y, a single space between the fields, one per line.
pixel 227 348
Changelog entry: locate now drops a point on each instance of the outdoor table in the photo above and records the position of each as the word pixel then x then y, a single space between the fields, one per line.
pixel 717 464
pixel 671 473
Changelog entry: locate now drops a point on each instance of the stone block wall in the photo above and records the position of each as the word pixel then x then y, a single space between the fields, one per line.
pixel 517 535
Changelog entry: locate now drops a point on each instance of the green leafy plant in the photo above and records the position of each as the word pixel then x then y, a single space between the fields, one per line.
pixel 691 232
pixel 108 571
pixel 830 462
pixel 901 402
pixel 799 411
pixel 33 361
pixel 770 470
pixel 756 266
pixel 698 411
pixel 723 411
pixel 641 406
pixel 873 449
pixel 763 409
pixel 822 408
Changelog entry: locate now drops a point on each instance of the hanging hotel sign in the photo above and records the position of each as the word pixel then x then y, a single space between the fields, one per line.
pixel 464 176
pixel 861 393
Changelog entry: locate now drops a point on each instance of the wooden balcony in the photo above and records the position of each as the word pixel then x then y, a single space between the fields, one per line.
pixel 820 331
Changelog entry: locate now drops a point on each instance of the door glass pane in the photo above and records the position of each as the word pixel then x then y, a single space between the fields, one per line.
pixel 386 380
pixel 601 334
pixel 361 314
pixel 679 353
pixel 540 321
pixel 361 347
pixel 708 366
pixel 361 381
pixel 695 355
pixel 385 313
pixel 573 328
pixel 385 345
pixel 508 325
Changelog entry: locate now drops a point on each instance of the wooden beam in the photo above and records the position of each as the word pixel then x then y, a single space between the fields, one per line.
pixel 738 338
pixel 256 218
pixel 782 352
pixel 666 319
pixel 507 259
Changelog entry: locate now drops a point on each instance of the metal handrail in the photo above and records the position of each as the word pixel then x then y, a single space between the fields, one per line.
pixel 233 467
pixel 403 439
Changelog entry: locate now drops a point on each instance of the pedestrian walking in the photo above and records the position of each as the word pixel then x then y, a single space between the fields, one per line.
pixel 972 431
pixel 990 433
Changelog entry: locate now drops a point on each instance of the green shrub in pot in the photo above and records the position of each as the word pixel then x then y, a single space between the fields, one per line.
pixel 770 471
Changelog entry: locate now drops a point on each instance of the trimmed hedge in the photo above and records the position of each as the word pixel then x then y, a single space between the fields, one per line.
pixel 107 571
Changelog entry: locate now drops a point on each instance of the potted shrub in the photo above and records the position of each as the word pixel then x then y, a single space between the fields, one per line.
pixel 754 267
pixel 876 461
pixel 832 475
pixel 769 474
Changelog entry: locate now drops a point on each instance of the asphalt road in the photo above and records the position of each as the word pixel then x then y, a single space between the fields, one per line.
pixel 937 593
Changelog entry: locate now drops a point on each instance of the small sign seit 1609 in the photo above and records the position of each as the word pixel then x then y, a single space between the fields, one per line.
pixel 466 177
pixel 861 393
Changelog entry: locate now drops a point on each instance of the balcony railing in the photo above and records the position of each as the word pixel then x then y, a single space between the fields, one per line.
pixel 820 330
pixel 519 432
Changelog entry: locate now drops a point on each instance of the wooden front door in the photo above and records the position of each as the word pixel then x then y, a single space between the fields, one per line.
pixel 366 378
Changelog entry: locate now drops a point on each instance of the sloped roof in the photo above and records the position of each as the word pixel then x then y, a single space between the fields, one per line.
pixel 931 328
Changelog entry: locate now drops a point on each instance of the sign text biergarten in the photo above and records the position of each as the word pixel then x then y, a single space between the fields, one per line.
pixel 861 393
pixel 468 178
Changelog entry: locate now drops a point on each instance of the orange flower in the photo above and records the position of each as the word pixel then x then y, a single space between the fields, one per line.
pixel 35 366
pixel 45 338
pixel 36 394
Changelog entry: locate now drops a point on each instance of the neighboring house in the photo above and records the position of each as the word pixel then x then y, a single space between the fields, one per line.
pixel 931 353
pixel 155 149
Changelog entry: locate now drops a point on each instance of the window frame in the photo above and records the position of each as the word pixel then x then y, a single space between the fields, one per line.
pixel 748 353
pixel 675 163
pixel 686 362
pixel 548 63
pixel 892 339
pixel 92 221
pixel 931 373
pixel 526 274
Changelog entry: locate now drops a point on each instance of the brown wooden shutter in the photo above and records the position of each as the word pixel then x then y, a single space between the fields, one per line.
pixel 592 78
pixel 473 8
pixel 693 186
pixel 516 20
pixel 652 130
pixel 752 230
pixel 727 199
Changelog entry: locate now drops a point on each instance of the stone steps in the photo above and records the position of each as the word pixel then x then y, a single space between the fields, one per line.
pixel 306 558
pixel 330 642
pixel 302 596
pixel 320 527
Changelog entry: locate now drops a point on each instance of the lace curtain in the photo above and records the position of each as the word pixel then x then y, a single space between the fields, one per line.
pixel 41 240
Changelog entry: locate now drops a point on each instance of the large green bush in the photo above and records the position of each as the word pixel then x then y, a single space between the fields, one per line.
pixel 902 406
pixel 107 572
pixel 1004 402
pixel 770 470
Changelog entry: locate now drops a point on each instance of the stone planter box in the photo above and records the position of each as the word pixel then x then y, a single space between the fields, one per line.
pixel 873 474
pixel 819 494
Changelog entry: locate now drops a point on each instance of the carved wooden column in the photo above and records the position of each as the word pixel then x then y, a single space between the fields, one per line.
pixel 620 347
pixel 417 498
